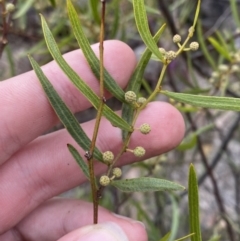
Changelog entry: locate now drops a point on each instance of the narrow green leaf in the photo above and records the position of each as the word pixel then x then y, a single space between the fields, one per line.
pixel 204 47
pixel 136 80
pixel 78 82
pixel 150 9
pixel 175 218
pixel 109 83
pixel 193 205
pixel 197 91
pixel 211 102
pixel 223 42
pixel 185 237
pixel 94 9
pixel 191 140
pixel 188 143
pixel 186 109
pixel 63 113
pixel 235 12
pixel 219 48
pixel 197 13
pixel 142 215
pixel 165 237
pixel 155 58
pixel 143 28
pixel 11 62
pixel 82 164
pixel 23 9
pixel 116 21
pixel 146 184
pixel 38 47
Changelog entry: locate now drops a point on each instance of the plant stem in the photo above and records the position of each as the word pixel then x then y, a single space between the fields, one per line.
pixel 157 88
pixel 102 100
pixel 127 140
pixel 101 48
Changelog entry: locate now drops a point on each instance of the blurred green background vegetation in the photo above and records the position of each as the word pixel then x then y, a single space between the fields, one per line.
pixel 212 139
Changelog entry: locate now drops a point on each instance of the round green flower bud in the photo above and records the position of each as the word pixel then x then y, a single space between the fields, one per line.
pixel 139 151
pixel 237 57
pixel 215 75
pixel 162 50
pixel 141 100
pixel 145 128
pixel 237 31
pixel 235 68
pixel 104 180
pixel 108 157
pixel 223 68
pixel 10 7
pixel 194 46
pixel 177 38
pixel 171 55
pixel 212 80
pixel 117 172
pixel 130 96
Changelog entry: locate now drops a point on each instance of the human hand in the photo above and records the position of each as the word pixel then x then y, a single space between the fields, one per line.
pixel 36 168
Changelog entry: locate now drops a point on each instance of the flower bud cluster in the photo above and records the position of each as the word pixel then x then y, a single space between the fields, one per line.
pixel 177 38
pixel 10 7
pixel 104 180
pixel 108 157
pixel 235 57
pixel 145 128
pixel 117 172
pixel 139 151
pixel 194 46
pixel 162 51
pixel 222 72
pixel 170 55
pixel 218 76
pixel 141 100
pixel 223 68
pixel 130 97
pixel 235 68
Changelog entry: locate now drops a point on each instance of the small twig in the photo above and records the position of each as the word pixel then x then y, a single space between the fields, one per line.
pixel 20 33
pixel 213 180
pixel 221 148
pixel 209 173
pixel 170 22
pixel 164 10
pixel 96 193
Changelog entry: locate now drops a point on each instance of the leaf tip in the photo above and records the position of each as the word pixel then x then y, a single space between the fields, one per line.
pixel 192 168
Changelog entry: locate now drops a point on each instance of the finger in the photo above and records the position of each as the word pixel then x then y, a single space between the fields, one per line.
pixel 104 231
pixel 45 168
pixel 25 110
pixel 62 216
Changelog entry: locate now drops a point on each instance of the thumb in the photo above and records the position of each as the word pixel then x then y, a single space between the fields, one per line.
pixel 108 231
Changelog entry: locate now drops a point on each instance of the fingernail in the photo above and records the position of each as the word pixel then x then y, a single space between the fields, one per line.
pixel 108 231
pixel 129 220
